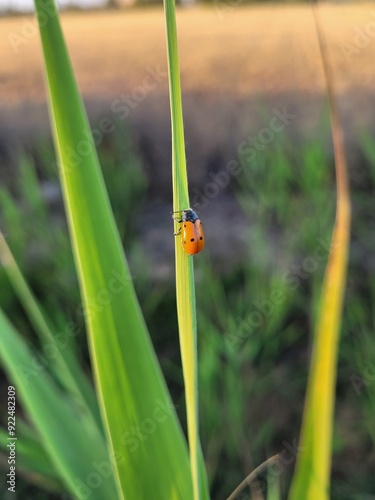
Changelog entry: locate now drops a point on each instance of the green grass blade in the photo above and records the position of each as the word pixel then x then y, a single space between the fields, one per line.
pixel 273 487
pixel 72 440
pixel 12 216
pixel 185 289
pixel 131 388
pixel 312 475
pixel 23 292
pixel 179 173
pixel 61 359
pixel 29 185
pixel 252 476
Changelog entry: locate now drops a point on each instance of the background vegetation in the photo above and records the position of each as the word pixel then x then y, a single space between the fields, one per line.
pixel 269 245
pixel 252 367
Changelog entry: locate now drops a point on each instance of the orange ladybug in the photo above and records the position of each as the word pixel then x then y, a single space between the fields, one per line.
pixel 191 231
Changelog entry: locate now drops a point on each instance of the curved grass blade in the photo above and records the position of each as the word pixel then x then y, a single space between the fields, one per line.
pixel 312 475
pixel 64 364
pixel 132 391
pixel 252 476
pixel 185 288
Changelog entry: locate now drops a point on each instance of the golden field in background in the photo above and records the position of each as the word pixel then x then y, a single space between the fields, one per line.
pixel 238 65
pixel 241 50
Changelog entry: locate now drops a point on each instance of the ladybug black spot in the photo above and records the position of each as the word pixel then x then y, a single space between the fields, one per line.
pixel 201 238
pixel 192 239
pixel 184 225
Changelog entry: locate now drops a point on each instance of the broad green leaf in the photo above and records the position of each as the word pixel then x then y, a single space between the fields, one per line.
pixel 185 288
pixel 70 438
pixel 144 436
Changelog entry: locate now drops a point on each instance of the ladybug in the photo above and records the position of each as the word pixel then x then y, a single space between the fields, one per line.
pixel 191 231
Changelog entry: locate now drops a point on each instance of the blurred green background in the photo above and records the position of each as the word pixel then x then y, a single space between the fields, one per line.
pixel 261 170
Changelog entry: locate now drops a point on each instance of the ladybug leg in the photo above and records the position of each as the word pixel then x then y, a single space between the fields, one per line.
pixel 178 222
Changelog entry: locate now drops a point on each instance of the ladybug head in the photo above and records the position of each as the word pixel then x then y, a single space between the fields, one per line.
pixel 189 215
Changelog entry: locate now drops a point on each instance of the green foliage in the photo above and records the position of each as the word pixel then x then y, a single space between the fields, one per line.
pixel 185 286
pixel 55 415
pixel 119 342
pixel 120 347
pixel 255 383
pixel 249 371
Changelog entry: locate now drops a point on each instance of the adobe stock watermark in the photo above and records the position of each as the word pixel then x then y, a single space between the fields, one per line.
pixel 133 437
pixel 29 28
pixel 364 380
pixel 263 309
pixel 131 440
pixel 362 37
pixel 49 351
pixel 116 285
pixel 247 151
pixel 121 107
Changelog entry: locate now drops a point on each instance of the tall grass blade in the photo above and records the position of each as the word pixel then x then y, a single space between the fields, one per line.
pixel 131 388
pixel 61 359
pixel 312 474
pixel 185 288
pixel 69 445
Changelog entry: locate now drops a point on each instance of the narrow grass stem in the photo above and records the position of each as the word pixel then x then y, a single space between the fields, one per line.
pixel 185 288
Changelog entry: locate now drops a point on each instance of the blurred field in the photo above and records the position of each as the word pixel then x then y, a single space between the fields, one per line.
pixel 238 64
pixel 224 50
